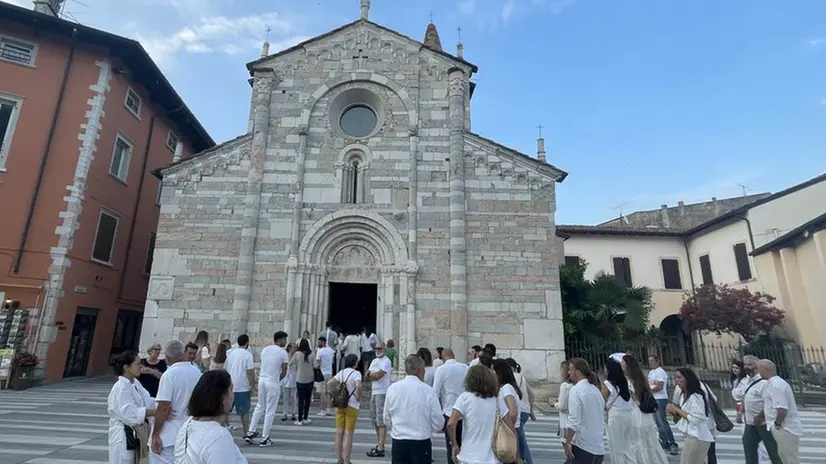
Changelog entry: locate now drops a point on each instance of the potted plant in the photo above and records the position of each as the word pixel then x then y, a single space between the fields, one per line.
pixel 22 370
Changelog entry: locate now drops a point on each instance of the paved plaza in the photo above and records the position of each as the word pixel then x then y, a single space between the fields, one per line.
pixel 67 423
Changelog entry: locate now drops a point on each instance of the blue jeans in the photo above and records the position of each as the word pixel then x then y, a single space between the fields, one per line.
pixel 524 451
pixel 666 436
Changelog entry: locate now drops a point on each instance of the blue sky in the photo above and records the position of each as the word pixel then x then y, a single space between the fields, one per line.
pixel 644 102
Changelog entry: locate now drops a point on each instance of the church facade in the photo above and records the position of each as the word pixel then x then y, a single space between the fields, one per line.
pixel 361 196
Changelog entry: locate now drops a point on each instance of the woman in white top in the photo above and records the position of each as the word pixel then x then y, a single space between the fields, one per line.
pixel 429 370
pixel 288 387
pixel 129 406
pixel 525 409
pixel 204 356
pixel 561 404
pixel 694 416
pixel 476 408
pixel 346 418
pixel 644 444
pixel 739 382
pixel 509 396
pixel 203 439
pixel 619 406
pixel 437 357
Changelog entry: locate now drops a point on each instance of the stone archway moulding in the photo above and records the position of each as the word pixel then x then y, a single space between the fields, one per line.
pixel 328 231
pixel 404 96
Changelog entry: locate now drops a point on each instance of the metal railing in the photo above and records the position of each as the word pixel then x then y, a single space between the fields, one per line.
pixel 803 367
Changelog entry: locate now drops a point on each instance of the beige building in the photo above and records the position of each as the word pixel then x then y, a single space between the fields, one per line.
pixel 770 243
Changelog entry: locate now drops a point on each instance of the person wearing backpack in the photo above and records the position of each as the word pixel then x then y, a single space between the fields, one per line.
pixel 345 390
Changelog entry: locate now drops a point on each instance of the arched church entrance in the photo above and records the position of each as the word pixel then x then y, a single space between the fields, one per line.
pixel 352 268
pixel 678 347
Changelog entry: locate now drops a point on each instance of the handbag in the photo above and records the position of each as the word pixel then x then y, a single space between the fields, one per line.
pixel 317 375
pixel 504 439
pixel 722 421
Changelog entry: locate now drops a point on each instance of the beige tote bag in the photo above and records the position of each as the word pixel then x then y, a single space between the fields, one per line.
pixel 504 439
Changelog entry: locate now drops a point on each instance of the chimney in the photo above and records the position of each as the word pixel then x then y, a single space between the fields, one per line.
pixel 715 207
pixel 681 205
pixel 49 7
pixel 664 220
pixel 179 151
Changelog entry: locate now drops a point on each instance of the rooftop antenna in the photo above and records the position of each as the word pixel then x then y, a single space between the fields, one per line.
pixel 744 188
pixel 621 206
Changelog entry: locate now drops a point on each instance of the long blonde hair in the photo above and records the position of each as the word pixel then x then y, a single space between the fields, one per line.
pixel 202 339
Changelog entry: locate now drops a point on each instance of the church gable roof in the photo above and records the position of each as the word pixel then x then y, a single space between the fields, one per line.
pixel 251 66
pixel 212 155
pixel 548 170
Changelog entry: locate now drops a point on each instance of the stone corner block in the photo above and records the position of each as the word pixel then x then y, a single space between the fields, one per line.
pixel 160 288
pixel 543 334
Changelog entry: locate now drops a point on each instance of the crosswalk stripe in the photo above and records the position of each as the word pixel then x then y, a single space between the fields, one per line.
pixel 72 422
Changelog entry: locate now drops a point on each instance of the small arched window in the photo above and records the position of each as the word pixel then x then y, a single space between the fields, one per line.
pixel 352 179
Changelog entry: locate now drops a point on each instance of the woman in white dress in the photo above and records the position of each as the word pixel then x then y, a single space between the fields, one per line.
pixel 204 356
pixel 509 397
pixel 644 444
pixel 694 416
pixel 429 370
pixel 619 405
pixel 561 404
pixel 288 388
pixel 476 408
pixel 203 439
pixel 129 405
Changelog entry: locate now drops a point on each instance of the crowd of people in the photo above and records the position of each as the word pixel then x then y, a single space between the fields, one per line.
pixel 175 408
pixel 632 410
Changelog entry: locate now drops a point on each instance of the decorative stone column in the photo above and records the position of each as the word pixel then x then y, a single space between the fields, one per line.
pixel 407 279
pixel 457 81
pixel 264 80
pixel 293 306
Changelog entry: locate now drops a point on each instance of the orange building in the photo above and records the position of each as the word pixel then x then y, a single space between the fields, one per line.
pixel 85 116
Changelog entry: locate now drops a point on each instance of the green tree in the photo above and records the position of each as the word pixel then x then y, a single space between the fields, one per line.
pixel 603 308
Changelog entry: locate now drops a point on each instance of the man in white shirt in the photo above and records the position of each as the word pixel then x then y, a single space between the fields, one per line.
pixel 754 432
pixel 324 359
pixel 274 359
pixel 780 413
pixel 369 340
pixel 448 384
pixel 658 381
pixel 241 368
pixel 379 374
pixel 585 438
pixel 174 390
pixel 413 414
pixel 473 355
pixel 352 345
pixel 331 336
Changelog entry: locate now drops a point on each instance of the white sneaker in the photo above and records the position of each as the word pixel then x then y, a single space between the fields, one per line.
pixel 322 413
pixel 297 423
pixel 307 422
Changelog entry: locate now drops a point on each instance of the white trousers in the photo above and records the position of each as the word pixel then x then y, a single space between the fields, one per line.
pixel 290 401
pixel 268 394
pixel 119 455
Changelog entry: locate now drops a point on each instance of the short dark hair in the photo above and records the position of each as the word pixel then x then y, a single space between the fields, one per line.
pixel 491 347
pixel 280 335
pixel 207 398
pixel 476 348
pixel 322 339
pixel 227 342
pixel 329 324
pixel 351 361
pixel 486 359
pixel 191 346
pixel 243 340
pixel 122 360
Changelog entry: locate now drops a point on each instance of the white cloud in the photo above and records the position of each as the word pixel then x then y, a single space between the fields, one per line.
pixel 558 6
pixel 231 36
pixel 816 42
pixel 823 102
pixel 507 10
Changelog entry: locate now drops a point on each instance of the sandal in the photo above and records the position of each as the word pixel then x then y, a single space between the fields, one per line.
pixel 376 453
